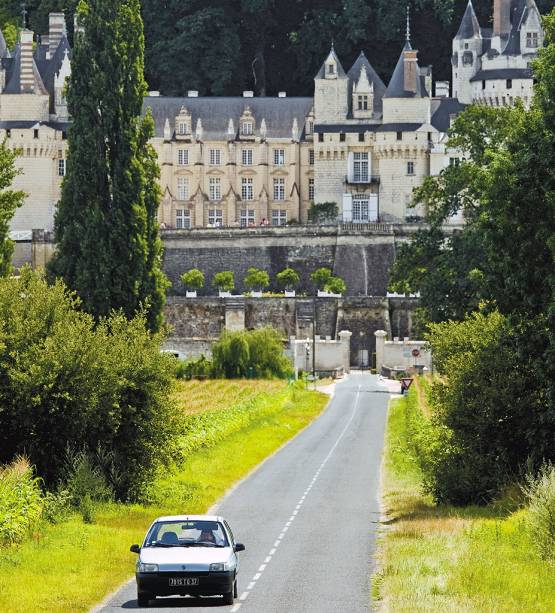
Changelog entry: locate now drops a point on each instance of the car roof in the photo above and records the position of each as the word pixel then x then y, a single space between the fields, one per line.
pixel 189 518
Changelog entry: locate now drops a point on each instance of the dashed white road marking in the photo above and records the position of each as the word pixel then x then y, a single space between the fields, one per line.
pixel 272 551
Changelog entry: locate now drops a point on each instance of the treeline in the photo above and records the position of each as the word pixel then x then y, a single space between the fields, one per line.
pixel 488 296
pixel 221 47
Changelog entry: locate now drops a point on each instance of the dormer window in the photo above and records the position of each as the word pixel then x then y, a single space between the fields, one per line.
pixel 532 40
pixel 331 69
pixel 183 123
pixel 246 123
pixel 362 103
pixel 183 128
pixel 247 128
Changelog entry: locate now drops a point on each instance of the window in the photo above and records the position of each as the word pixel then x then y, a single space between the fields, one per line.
pixel 311 157
pixel 331 69
pixel 247 157
pixel 215 189
pixel 454 161
pixel 509 83
pixel 360 167
pixel 342 137
pixel 246 217
pixel 279 157
pixel 531 40
pixel 215 217
pixel 399 136
pixel 182 219
pixel 466 45
pixel 279 217
pixel 182 188
pixel 483 84
pixel 8 133
pixel 361 137
pixel 320 137
pixel 35 133
pixel 279 189
pixel 182 128
pixel 246 189
pixel 360 208
pixel 410 168
pixel 61 168
pixel 310 127
pixel 247 128
pixel 311 189
pixel 215 157
pixel 362 103
pixel 182 157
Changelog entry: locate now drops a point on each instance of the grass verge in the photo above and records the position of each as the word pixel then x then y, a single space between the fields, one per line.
pixel 445 558
pixel 72 565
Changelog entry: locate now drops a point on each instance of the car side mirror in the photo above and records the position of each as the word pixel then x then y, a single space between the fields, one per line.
pixel 135 549
pixel 239 547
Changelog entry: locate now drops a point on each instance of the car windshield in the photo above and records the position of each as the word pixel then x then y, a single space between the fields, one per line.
pixel 188 533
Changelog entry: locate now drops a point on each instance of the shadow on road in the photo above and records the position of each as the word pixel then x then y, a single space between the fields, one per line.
pixel 181 603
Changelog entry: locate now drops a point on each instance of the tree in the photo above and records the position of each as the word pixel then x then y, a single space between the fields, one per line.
pixel 224 281
pixel 321 277
pixel 288 278
pixel 336 285
pixel 256 279
pixel 113 260
pixel 193 279
pixel 324 212
pixel 10 201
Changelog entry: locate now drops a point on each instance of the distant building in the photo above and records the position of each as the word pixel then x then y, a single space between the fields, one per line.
pixel 493 66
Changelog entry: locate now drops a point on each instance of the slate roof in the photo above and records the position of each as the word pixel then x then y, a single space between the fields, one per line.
pixel 49 68
pixel 442 109
pixel 13 74
pixel 215 112
pixel 373 77
pixel 469 27
pixel 502 73
pixel 322 72
pixel 25 125
pixel 396 87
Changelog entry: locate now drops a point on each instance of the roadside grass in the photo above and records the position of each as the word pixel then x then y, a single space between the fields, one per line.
pixel 445 558
pixel 71 566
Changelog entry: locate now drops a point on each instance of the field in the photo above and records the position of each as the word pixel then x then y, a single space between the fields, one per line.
pixel 70 566
pixel 445 558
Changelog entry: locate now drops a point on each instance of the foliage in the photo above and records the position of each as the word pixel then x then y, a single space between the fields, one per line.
pixel 321 277
pixel 20 501
pixel 114 261
pixel 540 520
pixel 10 201
pixel 288 278
pixel 193 279
pixel 254 353
pixel 224 281
pixel 335 285
pixel 69 380
pixel 199 367
pixel 323 212
pixel 256 279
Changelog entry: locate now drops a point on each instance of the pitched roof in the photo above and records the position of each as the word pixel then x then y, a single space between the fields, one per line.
pixel 215 113
pixel 503 73
pixel 13 75
pixel 469 27
pixel 373 77
pixel 48 68
pixel 321 74
pixel 396 87
pixel 442 109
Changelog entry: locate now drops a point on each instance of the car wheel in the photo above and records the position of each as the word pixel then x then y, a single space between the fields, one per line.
pixel 143 598
pixel 229 597
pixel 235 588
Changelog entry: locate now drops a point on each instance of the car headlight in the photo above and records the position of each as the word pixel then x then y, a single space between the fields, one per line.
pixel 219 567
pixel 148 568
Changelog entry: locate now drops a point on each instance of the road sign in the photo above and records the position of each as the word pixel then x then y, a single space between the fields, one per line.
pixel 415 353
pixel 405 383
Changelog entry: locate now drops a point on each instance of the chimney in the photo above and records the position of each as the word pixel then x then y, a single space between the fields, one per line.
pixel 501 17
pixel 154 93
pixel 192 93
pixel 56 29
pixel 282 94
pixel 442 89
pixel 248 94
pixel 27 77
pixel 410 66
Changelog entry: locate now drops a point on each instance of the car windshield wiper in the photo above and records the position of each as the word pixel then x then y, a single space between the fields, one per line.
pixel 157 544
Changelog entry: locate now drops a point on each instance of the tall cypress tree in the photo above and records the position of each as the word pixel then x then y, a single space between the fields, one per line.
pixel 108 245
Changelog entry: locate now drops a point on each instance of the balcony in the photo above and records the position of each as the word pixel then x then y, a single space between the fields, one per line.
pixel 365 180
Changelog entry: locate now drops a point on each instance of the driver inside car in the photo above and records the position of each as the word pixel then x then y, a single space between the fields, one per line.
pixel 207 536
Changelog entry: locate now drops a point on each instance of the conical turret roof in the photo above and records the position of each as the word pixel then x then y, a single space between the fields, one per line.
pixel 331 56
pixel 469 27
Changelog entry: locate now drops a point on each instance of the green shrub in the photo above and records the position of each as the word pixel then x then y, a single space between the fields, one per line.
pixel 193 279
pixel 540 519
pixel 20 501
pixel 189 369
pixel 253 353
pixel 324 212
pixel 224 281
pixel 321 277
pixel 288 279
pixel 336 285
pixel 256 279
pixel 56 506
pixel 67 379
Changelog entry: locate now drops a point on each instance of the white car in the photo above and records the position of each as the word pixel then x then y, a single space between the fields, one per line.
pixel 183 555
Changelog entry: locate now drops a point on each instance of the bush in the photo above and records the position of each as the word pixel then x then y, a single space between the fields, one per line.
pixel 288 279
pixel 325 212
pixel 257 279
pixel 321 277
pixel 193 279
pixel 200 367
pixel 336 285
pixel 20 501
pixel 224 281
pixel 254 353
pixel 540 519
pixel 67 379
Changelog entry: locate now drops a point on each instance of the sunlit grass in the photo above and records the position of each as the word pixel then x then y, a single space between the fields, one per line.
pixel 444 558
pixel 71 566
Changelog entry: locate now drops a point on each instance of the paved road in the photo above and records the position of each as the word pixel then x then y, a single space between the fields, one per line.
pixel 307 517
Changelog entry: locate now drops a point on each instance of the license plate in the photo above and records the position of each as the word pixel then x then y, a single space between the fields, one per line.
pixel 183 581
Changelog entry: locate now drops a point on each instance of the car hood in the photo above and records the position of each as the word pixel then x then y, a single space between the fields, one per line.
pixel 194 558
